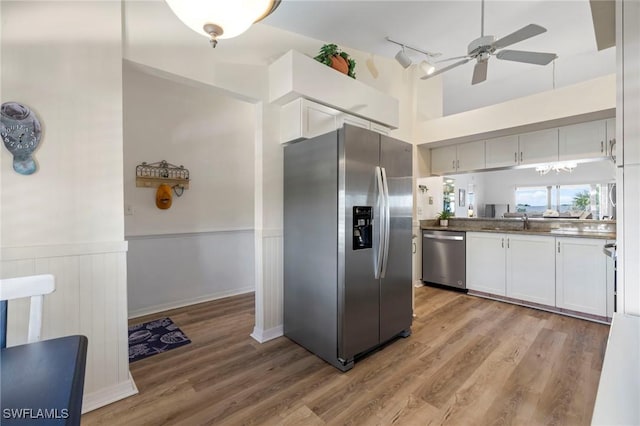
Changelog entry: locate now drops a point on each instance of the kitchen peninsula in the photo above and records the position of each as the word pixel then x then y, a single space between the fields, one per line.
pixel 550 264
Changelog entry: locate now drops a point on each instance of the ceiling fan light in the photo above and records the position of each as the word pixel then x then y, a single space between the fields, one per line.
pixel 427 67
pixel 234 17
pixel 403 59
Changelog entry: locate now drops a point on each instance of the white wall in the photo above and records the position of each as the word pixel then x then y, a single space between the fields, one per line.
pixel 589 96
pixel 66 219
pixel 202 247
pixel 210 133
pixel 71 76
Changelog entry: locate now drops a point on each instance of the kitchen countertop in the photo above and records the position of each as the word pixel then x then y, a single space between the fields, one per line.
pixel 579 229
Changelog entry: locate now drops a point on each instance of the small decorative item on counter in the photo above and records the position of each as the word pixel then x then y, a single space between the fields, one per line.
pixel 443 217
pixel 470 211
pixel 332 56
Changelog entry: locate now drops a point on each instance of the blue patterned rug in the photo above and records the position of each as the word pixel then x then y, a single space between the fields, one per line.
pixel 154 337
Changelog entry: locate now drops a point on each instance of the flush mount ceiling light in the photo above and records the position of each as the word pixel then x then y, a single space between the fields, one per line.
pixel 404 59
pixel 557 167
pixel 220 19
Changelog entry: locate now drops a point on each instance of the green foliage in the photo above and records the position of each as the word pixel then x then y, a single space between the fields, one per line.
pixel 582 200
pixel 444 215
pixel 329 50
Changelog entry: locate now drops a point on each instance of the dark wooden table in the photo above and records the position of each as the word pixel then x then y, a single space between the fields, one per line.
pixel 42 383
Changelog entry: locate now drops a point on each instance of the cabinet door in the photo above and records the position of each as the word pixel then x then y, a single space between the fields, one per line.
pixel 584 140
pixel 486 262
pixel 317 119
pixel 501 152
pixel 581 275
pixel 531 268
pixel 384 130
pixel 470 156
pixel 301 118
pixel 344 118
pixel 443 160
pixel 538 147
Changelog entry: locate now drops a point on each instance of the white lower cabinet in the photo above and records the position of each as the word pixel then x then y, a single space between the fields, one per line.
pixel 517 266
pixel 531 269
pixel 581 275
pixel 486 262
pixel 563 272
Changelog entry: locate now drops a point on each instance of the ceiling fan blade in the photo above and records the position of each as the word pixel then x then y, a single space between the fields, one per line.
pixel 537 58
pixel 451 59
pixel 480 72
pixel 523 33
pixel 447 68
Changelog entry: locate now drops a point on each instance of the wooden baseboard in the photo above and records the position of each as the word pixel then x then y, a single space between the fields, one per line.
pixel 266 335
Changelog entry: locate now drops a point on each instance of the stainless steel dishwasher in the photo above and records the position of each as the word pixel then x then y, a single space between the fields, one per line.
pixel 444 258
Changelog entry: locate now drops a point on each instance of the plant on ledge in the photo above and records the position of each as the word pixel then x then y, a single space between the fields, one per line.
pixel 332 56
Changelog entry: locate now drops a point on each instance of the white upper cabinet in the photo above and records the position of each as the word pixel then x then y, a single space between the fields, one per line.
pixel 352 120
pixel 470 156
pixel 501 152
pixel 457 158
pixel 443 160
pixel 584 140
pixel 538 147
pixel 304 119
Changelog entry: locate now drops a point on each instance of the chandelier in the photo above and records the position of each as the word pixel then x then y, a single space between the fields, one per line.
pixel 220 19
pixel 557 167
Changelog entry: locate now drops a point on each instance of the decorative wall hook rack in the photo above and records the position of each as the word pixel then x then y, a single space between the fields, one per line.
pixel 155 174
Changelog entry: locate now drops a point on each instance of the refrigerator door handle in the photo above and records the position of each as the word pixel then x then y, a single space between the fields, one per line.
pixel 381 220
pixel 387 224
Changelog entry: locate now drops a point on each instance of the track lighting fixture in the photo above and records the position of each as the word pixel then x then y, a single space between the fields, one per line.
pixel 404 59
pixel 427 67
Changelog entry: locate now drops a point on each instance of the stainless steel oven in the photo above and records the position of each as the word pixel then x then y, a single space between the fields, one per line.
pixel 444 258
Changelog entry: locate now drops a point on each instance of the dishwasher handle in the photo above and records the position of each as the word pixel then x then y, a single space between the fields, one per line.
pixel 443 237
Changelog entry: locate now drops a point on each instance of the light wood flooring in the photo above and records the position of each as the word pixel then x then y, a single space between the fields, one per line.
pixel 469 361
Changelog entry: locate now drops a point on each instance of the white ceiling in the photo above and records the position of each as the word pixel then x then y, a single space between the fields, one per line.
pixel 447 26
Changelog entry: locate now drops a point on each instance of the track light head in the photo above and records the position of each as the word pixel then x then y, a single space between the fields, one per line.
pixel 427 67
pixel 403 59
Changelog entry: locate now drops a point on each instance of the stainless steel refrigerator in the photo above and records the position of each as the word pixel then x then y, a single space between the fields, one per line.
pixel 347 243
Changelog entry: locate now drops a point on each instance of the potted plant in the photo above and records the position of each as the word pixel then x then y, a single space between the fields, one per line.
pixel 331 55
pixel 443 217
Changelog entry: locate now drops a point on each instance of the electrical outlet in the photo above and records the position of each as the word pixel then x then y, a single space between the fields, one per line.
pixel 128 210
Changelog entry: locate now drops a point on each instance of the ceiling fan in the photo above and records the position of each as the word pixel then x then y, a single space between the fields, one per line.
pixel 482 48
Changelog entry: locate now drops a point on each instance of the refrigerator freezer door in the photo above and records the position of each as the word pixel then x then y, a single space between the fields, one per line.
pixel 310 245
pixel 395 287
pixel 358 295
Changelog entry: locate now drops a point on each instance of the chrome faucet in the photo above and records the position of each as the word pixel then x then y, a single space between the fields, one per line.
pixel 525 222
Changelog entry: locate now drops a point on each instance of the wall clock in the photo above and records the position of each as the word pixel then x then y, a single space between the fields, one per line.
pixel 21 131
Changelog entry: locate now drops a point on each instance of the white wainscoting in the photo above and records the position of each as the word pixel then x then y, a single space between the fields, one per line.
pixel 175 270
pixel 269 317
pixel 90 299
